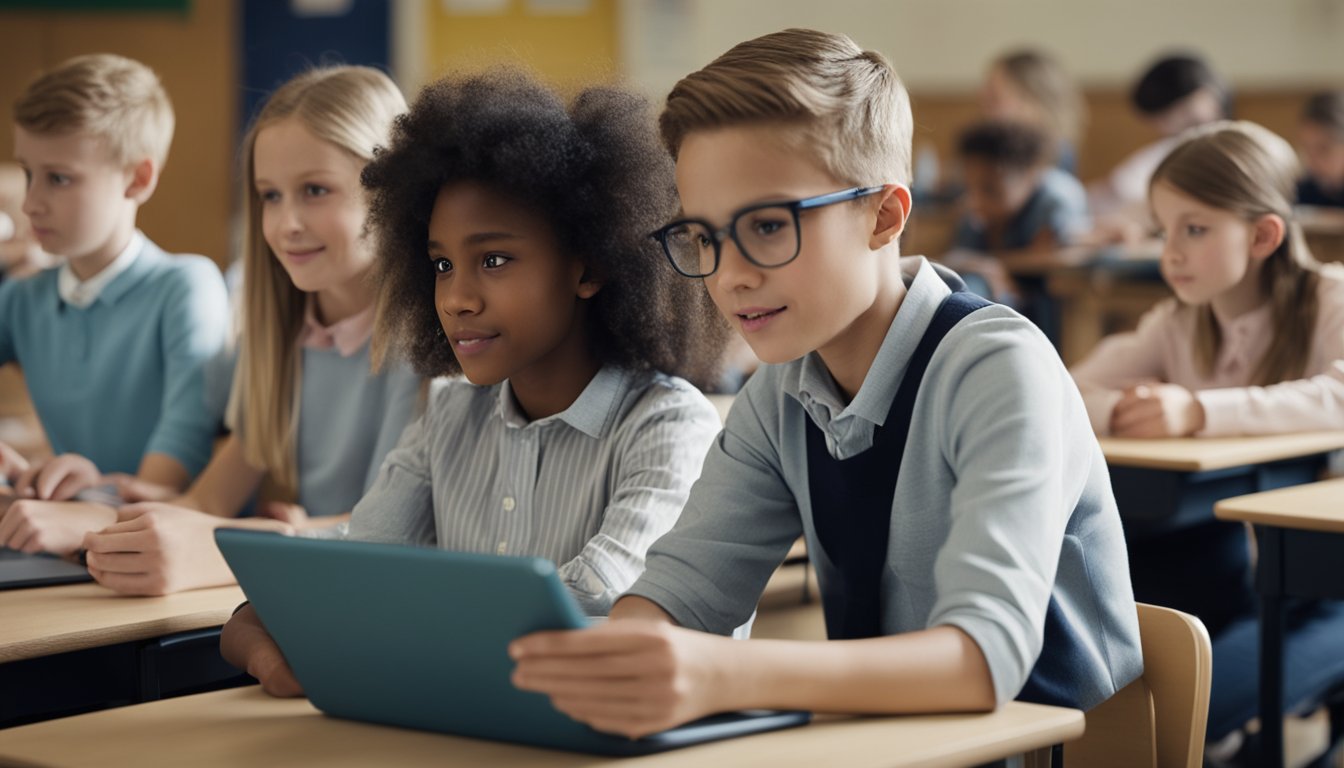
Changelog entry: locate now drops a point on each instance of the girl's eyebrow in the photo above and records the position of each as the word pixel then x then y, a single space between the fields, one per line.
pixel 485 237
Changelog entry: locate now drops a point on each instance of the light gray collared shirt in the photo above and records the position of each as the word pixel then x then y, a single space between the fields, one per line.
pixel 588 488
pixel 1002 500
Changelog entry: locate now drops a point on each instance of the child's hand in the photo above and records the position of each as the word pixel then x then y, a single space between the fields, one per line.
pixel 1157 410
pixel 12 463
pixel 51 526
pixel 156 549
pixel 631 677
pixel 58 479
pixel 293 514
pixel 132 489
pixel 246 644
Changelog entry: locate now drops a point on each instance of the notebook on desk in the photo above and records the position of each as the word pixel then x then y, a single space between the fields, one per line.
pixel 418 638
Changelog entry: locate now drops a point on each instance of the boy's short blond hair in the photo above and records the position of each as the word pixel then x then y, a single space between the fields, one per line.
pixel 835 101
pixel 113 98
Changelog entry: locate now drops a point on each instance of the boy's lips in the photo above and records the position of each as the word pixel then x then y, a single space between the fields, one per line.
pixel 756 318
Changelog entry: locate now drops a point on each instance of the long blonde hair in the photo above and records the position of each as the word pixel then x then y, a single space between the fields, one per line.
pixel 1247 170
pixel 352 108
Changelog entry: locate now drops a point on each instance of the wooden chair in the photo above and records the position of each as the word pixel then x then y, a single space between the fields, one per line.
pixel 1159 719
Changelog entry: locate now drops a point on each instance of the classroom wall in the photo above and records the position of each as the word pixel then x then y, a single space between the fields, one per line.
pixel 194 54
pixel 568 42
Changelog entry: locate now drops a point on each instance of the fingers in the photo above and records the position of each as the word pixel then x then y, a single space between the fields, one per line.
pixel 610 638
pixel 268 665
pixel 129 583
pixel 11 462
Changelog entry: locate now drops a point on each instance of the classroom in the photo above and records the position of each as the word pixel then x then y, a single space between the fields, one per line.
pixel 879 383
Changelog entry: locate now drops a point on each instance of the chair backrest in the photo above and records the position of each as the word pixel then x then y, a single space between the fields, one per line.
pixel 1159 719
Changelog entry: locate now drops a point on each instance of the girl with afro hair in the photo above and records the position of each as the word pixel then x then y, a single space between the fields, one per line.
pixel 514 250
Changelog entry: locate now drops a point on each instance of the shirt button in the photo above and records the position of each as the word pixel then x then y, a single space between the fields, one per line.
pixel 503 545
pixel 508 505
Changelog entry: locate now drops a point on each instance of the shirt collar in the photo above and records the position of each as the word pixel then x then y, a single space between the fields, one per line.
pixel 591 413
pixel 814 387
pixel 348 336
pixel 83 293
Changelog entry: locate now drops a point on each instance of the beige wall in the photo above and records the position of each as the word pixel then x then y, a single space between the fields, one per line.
pixel 195 57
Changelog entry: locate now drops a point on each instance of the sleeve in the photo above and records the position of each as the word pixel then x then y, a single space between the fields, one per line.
pixel 1067 213
pixel 399 508
pixel 194 329
pixel 1303 405
pixel 1121 361
pixel 7 352
pixel 661 453
pixel 1008 442
pixel 740 519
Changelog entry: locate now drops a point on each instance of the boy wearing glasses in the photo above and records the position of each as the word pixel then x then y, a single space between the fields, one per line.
pixel 930 446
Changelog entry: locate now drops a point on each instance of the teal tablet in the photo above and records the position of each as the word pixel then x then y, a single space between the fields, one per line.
pixel 418 638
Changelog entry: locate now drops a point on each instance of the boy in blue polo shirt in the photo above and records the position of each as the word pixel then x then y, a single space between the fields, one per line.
pixel 112 344
pixel 929 446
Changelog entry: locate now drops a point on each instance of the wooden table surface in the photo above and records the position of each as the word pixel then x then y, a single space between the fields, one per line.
pixel 1312 507
pixel 244 726
pixel 1198 454
pixel 47 620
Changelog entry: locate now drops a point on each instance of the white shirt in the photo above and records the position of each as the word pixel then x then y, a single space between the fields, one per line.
pixel 82 293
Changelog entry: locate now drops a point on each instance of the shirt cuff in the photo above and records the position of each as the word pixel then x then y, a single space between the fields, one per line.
pixel 1222 412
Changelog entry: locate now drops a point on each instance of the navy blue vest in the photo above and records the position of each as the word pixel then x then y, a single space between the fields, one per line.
pixel 851 512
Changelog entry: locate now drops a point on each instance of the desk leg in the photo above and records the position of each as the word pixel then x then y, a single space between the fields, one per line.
pixel 1271 647
pixel 1038 758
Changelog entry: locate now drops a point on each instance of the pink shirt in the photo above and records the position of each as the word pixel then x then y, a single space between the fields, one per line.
pixel 1162 349
pixel 348 336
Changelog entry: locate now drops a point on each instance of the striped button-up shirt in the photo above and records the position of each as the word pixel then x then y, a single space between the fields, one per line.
pixel 588 488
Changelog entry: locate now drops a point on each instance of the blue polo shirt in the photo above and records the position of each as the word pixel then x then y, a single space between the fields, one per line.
pixel 124 376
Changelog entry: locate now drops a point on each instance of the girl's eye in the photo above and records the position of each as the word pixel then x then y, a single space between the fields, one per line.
pixel 1194 230
pixel 442 266
pixel 705 242
pixel 766 227
pixel 495 260
pixel 314 190
pixel 269 196
pixel 58 179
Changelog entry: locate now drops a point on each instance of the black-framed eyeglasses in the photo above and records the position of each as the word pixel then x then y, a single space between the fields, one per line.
pixel 772 236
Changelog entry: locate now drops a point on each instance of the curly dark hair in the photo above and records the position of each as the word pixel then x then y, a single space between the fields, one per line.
pixel 1007 144
pixel 595 170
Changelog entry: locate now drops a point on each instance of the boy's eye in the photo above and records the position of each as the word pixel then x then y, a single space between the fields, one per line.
pixel 442 266
pixel 58 179
pixel 314 190
pixel 495 260
pixel 269 196
pixel 1194 230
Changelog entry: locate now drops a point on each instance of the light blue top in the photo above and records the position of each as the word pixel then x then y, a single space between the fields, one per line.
pixel 588 488
pixel 349 420
pixel 122 377
pixel 1002 499
pixel 1059 205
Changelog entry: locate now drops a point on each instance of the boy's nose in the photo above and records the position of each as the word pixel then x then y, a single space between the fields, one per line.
pixel 734 271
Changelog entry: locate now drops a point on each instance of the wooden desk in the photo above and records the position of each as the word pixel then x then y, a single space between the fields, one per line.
pixel 41 622
pixel 1300 532
pixel 1172 483
pixel 76 648
pixel 245 727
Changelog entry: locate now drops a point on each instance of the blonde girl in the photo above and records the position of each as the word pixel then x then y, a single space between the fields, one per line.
pixel 309 416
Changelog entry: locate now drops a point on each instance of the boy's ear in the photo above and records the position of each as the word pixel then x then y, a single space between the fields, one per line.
pixel 1267 235
pixel 143 178
pixel 892 213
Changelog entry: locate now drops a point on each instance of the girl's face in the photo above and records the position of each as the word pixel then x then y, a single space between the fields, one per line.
pixel 1322 154
pixel 509 301
pixel 1208 253
pixel 313 210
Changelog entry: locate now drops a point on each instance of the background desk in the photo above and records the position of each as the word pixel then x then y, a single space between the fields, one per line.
pixel 80 647
pixel 1300 532
pixel 245 727
pixel 1171 483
